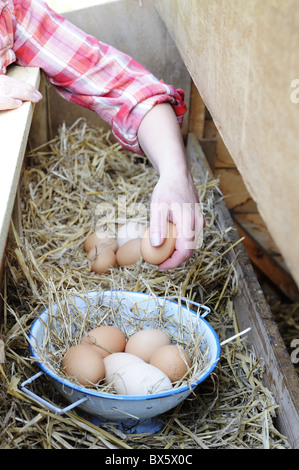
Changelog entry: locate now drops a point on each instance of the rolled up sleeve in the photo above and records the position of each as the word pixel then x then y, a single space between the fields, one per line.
pixel 127 120
pixel 89 72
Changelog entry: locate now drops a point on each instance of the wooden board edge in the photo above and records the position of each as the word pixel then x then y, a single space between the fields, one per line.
pixel 24 114
pixel 252 310
pixel 10 200
pixel 267 263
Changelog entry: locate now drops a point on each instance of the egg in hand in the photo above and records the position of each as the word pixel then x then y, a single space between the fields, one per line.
pixel 157 254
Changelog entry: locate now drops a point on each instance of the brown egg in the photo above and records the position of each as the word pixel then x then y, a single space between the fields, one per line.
pixel 101 259
pixel 85 364
pixel 111 338
pixel 129 253
pixel 172 360
pixel 145 342
pixel 99 239
pixel 158 254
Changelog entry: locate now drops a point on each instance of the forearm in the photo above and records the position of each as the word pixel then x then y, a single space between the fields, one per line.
pixel 175 196
pixel 160 138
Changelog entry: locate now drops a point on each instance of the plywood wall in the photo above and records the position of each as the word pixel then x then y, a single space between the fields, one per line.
pixel 243 58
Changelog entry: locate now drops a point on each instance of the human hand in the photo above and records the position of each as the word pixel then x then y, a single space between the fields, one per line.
pixel 13 92
pixel 175 199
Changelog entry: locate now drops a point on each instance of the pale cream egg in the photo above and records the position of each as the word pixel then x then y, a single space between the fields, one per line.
pixel 140 378
pixel 114 362
pixel 129 231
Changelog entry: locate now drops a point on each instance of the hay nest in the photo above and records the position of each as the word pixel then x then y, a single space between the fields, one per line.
pixel 62 186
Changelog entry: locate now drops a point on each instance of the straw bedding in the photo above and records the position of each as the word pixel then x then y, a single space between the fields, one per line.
pixel 62 186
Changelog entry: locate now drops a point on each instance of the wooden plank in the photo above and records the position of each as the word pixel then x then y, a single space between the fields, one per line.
pixel 41 120
pixel 135 28
pixel 254 225
pixel 253 311
pixel 262 253
pixel 224 158
pixel 14 130
pixel 236 194
pixel 243 58
pixel 197 113
pixel 259 245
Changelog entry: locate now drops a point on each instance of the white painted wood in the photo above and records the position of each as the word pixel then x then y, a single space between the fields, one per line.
pixel 14 130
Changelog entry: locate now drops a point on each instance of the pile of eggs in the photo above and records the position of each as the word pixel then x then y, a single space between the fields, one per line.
pixel 144 364
pixel 132 243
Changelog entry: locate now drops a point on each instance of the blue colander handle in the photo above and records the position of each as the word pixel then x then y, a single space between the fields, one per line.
pixel 45 402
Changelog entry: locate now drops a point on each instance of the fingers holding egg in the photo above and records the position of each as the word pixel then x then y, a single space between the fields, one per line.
pixel 157 254
pixel 189 224
pixel 183 249
pixel 179 256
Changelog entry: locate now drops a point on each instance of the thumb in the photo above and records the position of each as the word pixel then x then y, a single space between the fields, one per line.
pixel 158 223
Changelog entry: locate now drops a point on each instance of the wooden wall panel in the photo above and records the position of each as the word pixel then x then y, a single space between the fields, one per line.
pixel 243 58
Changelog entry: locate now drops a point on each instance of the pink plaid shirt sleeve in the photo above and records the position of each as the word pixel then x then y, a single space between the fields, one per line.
pixel 83 70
